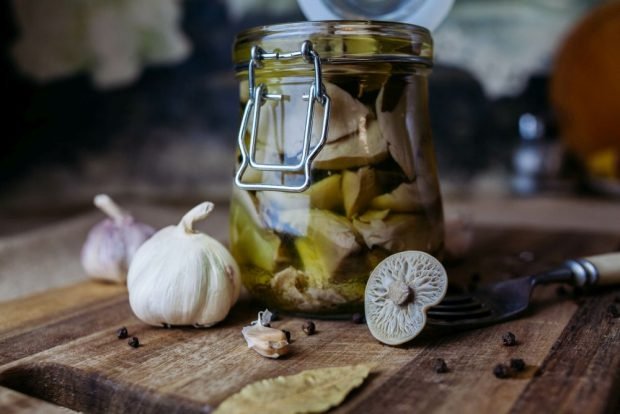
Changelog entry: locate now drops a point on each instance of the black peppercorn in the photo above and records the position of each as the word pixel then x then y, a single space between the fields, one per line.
pixel 440 366
pixel 288 335
pixel 509 339
pixel 309 328
pixel 122 333
pixel 517 364
pixel 134 342
pixel 358 318
pixel 501 371
pixel 613 311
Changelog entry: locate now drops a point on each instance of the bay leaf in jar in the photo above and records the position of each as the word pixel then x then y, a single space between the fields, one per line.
pixel 283 121
pixel 398 232
pixel 404 199
pixel 363 147
pixel 391 109
pixel 409 144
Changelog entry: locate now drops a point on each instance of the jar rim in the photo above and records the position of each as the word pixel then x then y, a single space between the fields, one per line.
pixel 370 40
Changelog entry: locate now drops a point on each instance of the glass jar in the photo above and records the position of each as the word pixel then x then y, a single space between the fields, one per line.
pixel 336 167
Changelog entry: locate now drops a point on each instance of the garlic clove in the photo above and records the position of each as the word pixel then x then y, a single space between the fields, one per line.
pixel 112 243
pixel 182 276
pixel 268 342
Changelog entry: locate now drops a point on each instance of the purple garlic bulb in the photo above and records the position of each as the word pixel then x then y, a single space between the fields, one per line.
pixel 112 243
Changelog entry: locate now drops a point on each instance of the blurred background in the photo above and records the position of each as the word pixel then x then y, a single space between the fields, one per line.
pixel 137 98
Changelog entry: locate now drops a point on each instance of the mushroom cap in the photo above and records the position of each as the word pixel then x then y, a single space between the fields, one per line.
pixel 399 292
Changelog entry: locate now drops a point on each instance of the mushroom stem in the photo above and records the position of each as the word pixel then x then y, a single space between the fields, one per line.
pixel 109 207
pixel 198 213
pixel 400 293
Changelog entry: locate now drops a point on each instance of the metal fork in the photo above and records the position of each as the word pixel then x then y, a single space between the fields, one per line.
pixel 504 300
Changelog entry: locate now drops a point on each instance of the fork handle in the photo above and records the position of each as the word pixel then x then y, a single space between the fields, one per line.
pixel 602 269
pixel 607 266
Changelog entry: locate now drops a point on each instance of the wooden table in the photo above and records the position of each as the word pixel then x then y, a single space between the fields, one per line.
pixel 60 345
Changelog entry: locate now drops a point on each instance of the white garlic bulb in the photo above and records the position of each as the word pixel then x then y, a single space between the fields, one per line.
pixel 112 243
pixel 183 277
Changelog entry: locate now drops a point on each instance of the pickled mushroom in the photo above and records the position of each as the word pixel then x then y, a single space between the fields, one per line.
pixel 326 194
pixel 284 212
pixel 370 215
pixel 330 239
pixel 398 232
pixel 322 298
pixel 404 199
pixel 243 200
pixel 358 189
pixel 290 284
pixel 363 147
pixel 251 244
pixel 295 287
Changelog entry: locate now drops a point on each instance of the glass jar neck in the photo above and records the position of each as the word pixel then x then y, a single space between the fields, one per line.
pixel 341 41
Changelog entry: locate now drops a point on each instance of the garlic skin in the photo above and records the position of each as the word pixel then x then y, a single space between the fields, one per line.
pixel 111 244
pixel 181 276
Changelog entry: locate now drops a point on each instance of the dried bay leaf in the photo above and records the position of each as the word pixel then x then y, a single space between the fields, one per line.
pixel 364 146
pixel 310 391
pixel 281 123
pixel 396 130
pixel 398 232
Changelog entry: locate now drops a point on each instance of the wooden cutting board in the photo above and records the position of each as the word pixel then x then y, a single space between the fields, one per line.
pixel 61 346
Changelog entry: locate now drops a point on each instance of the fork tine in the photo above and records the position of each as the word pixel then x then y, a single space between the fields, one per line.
pixel 459 315
pixel 472 304
pixel 462 323
pixel 457 299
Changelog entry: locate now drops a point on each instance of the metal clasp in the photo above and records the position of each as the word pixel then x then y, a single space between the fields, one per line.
pixel 258 96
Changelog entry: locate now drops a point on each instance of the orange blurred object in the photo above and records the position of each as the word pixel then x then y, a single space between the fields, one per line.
pixel 585 84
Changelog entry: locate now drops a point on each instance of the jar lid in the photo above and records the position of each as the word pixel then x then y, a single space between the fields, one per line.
pixel 425 13
pixel 341 41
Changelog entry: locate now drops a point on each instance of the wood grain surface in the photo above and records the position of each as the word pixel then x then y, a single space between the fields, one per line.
pixel 12 402
pixel 61 346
